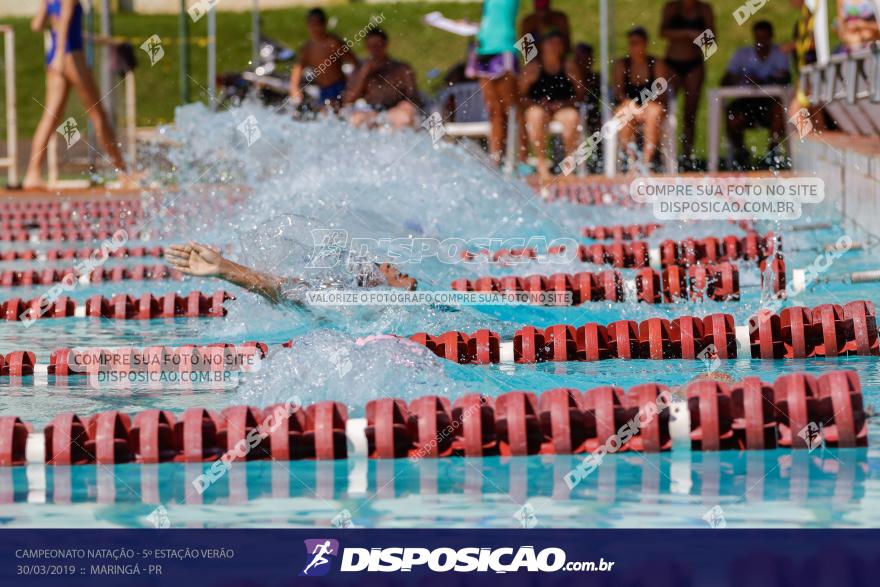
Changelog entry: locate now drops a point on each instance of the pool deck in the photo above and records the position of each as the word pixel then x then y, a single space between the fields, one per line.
pixel 850 167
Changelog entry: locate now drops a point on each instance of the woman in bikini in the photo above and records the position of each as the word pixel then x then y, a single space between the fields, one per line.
pixel 683 24
pixel 66 67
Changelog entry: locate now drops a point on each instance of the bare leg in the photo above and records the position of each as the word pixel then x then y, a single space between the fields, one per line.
pixel 569 118
pixel 79 76
pixel 653 118
pixel 737 123
pixel 57 89
pixel 777 125
pixel 627 130
pixel 499 96
pixel 536 129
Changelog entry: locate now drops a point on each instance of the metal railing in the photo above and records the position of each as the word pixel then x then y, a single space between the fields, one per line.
pixel 851 77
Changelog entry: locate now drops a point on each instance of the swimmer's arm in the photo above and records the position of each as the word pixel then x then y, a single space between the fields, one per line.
pixel 201 261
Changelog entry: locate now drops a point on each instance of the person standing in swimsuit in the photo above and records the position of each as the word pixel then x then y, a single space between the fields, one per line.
pixel 324 54
pixel 684 21
pixel 496 65
pixel 65 67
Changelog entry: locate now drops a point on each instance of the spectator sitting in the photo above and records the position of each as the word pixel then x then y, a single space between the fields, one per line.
pixel 324 54
pixel 634 77
pixel 589 82
pixel 545 20
pixel 762 64
pixel 856 23
pixel 388 87
pixel 549 86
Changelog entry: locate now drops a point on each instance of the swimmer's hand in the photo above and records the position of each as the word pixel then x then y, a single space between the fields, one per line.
pixel 195 259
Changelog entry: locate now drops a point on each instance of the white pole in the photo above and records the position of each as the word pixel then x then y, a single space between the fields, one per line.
pixel 609 147
pixel 131 117
pixel 820 30
pixel 255 32
pixel 212 56
pixel 11 159
pixel 106 59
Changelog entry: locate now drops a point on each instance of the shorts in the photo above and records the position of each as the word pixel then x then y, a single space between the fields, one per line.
pixel 333 92
pixel 492 66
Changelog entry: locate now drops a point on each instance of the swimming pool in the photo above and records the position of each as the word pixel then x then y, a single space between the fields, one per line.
pixel 250 199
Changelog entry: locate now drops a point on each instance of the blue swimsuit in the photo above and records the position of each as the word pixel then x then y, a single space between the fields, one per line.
pixel 74 33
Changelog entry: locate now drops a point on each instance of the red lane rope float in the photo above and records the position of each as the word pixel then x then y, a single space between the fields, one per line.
pixel 70 225
pixel 751 247
pixel 793 333
pixel 147 306
pixel 750 415
pixel 50 276
pixel 79 253
pixel 53 207
pixel 591 194
pixel 824 331
pixel 620 232
pixel 215 357
pixel 715 282
pixel 637 254
pixel 85 234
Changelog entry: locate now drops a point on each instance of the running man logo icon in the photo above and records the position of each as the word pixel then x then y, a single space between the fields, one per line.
pixel 250 130
pixel 435 127
pixel 706 42
pixel 715 518
pixel 527 47
pixel 317 551
pixel 70 131
pixel 811 435
pixel 330 245
pixel 154 49
pixel 802 122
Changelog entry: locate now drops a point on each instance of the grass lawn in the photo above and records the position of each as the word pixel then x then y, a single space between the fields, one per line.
pixel 426 48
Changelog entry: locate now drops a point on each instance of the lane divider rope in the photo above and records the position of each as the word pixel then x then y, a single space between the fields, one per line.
pixel 749 414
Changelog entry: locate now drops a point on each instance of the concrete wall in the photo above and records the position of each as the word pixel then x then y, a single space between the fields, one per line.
pixel 851 171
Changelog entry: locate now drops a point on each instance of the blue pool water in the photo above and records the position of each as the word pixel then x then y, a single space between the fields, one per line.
pixel 253 201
